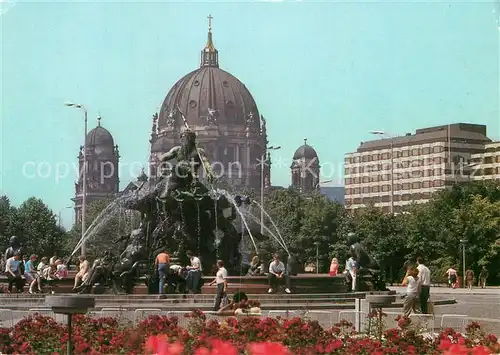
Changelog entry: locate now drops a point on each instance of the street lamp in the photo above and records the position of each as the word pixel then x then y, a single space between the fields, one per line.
pixel 59 214
pixel 463 242
pixel 384 134
pixel 317 256
pixel 84 187
pixel 263 161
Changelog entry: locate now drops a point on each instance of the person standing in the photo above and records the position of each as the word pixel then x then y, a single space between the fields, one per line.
pixel 469 278
pixel 221 281
pixel 350 274
pixel 452 277
pixel 424 279
pixel 483 275
pixel 13 270
pixel 411 282
pixel 193 277
pixel 162 264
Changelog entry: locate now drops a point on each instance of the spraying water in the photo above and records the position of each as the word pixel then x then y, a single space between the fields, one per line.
pixel 267 230
pixel 244 220
pixel 113 209
pixel 274 224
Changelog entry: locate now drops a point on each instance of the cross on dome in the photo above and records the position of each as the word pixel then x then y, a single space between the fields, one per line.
pixel 210 18
pixel 209 55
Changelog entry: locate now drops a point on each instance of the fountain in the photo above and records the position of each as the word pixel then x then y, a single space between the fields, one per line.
pixel 178 214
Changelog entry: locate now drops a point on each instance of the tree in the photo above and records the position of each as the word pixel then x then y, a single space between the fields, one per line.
pixel 479 224
pixel 7 221
pixel 304 220
pixel 286 210
pixel 38 230
pixel 321 223
pixel 383 237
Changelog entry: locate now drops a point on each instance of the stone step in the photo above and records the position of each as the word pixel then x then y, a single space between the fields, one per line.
pixel 207 306
pixel 276 296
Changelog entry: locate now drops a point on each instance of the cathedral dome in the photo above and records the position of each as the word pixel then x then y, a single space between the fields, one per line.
pixel 209 96
pixel 99 136
pixel 305 152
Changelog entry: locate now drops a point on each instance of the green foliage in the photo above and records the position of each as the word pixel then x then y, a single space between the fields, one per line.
pixel 7 221
pixel 433 230
pixel 34 224
pixel 304 220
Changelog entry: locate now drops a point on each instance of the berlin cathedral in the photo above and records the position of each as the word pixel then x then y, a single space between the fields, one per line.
pixel 222 112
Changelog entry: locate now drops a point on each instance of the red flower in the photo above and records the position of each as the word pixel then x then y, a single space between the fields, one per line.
pixel 159 345
pixel 266 348
pixel 481 350
pixel 202 351
pixel 220 347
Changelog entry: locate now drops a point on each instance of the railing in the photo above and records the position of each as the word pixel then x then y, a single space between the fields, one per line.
pixel 327 319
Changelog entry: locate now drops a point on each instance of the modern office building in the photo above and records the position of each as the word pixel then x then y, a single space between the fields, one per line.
pixel 394 172
pixel 486 165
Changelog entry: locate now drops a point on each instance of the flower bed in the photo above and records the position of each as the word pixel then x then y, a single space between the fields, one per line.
pixel 250 335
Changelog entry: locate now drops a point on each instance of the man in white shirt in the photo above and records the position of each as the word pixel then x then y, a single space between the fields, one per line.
pixel 424 279
pixel 221 281
pixel 277 275
pixel 13 270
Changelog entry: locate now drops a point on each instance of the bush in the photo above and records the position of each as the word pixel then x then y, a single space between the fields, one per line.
pixel 250 335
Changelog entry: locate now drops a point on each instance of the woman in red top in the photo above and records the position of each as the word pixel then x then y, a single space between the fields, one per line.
pixel 334 267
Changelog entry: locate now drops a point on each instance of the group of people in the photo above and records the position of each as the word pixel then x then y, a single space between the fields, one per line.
pixel 454 280
pixel 187 279
pixel 173 276
pixel 28 270
pixel 277 273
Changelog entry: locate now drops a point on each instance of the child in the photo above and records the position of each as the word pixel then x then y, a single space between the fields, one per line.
pixel 334 267
pixel 61 270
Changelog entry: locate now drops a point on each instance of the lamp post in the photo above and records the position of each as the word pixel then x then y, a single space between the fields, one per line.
pixel 59 215
pixel 463 242
pixel 384 134
pixel 262 178
pixel 317 257
pixel 84 183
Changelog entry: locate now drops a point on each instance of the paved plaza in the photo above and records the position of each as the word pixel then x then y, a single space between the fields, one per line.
pixel 481 305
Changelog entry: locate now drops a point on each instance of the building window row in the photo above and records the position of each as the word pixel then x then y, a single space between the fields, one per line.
pixel 397 187
pixel 397 154
pixel 406 164
pixel 386 198
pixel 415 174
pixel 487 171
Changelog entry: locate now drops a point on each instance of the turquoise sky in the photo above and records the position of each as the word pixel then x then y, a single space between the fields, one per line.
pixel 329 71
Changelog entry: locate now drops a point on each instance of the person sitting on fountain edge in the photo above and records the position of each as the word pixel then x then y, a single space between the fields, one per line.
pixel 278 275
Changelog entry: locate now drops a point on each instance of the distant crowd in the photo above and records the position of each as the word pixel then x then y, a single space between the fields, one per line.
pixel 24 270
